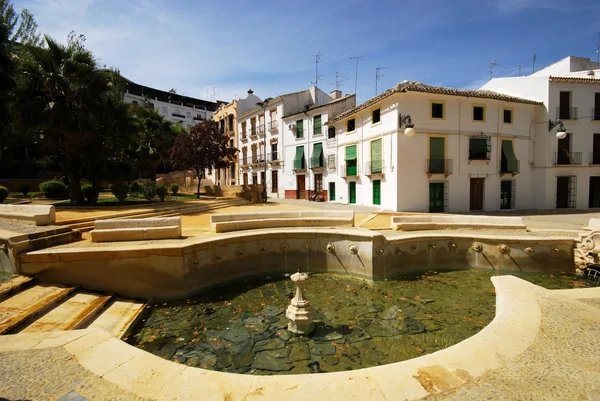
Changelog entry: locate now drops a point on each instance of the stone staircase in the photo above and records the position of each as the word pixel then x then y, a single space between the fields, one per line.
pixel 30 307
pixel 87 224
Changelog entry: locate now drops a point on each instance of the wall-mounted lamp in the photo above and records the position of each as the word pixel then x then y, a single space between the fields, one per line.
pixel 561 133
pixel 407 122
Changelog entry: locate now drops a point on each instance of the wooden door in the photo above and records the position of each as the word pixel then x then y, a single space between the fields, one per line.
pixel 436 197
pixel 377 192
pixel 332 191
pixel 562 192
pixel 352 192
pixel 594 192
pixel 476 202
pixel 300 186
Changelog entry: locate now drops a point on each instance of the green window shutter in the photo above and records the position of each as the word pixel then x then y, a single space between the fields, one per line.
pixel 300 129
pixel 315 160
pixel 508 155
pixel 351 152
pixel 317 125
pixel 332 191
pixel 299 157
pixel 376 164
pixel 436 148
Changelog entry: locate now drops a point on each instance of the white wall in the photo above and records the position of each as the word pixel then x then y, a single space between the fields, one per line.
pixel 167 109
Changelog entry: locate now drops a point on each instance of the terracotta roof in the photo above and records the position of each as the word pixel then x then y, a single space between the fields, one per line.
pixel 321 105
pixel 413 86
pixel 581 80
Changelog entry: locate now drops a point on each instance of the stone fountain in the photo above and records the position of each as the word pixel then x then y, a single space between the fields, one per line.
pixel 300 312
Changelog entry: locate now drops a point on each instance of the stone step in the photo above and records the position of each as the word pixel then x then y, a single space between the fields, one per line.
pixel 14 284
pixel 70 314
pixel 29 303
pixel 118 317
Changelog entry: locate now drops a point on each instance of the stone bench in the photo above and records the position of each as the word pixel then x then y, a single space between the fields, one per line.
pixel 153 228
pixel 221 223
pixel 434 222
pixel 40 215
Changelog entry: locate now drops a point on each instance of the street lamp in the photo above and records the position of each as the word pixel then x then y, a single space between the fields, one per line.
pixel 561 133
pixel 406 122
pixel 263 105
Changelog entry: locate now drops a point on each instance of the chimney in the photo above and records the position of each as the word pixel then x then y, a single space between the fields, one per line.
pixel 336 94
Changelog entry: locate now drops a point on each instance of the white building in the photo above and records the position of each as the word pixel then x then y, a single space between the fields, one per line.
pixel 307 147
pixel 260 137
pixel 472 151
pixel 184 110
pixel 566 171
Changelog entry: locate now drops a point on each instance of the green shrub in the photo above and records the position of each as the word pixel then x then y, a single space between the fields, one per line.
pixel 3 194
pixel 161 191
pixel 174 189
pixel 148 191
pixel 54 189
pixel 120 191
pixel 25 189
pixel 135 188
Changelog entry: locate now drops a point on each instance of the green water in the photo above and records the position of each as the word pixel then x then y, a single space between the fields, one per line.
pixel 241 327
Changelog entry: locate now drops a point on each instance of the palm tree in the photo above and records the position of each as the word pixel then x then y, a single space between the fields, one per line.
pixel 7 79
pixel 63 90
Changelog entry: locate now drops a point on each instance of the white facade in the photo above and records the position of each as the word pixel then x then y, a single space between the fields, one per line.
pixel 565 171
pixel 409 169
pixel 260 139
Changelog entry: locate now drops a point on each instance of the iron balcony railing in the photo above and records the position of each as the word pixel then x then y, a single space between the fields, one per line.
pixel 273 126
pixel 349 171
pixel 177 115
pixel 252 131
pixel 260 129
pixel 273 157
pixel 510 166
pixel 439 166
pixel 567 159
pixel 374 167
pixel 596 114
pixel 566 113
pixel 594 158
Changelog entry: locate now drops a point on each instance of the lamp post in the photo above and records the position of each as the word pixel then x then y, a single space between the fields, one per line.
pixel 263 105
pixel 561 133
pixel 406 122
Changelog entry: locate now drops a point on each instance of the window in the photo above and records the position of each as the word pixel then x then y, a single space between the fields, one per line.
pixel 188 114
pixel 376 164
pixel 232 171
pixel 478 113
pixel 299 158
pixel 332 191
pixel 253 125
pixel 508 116
pixel 564 108
pixel 318 127
pixel 376 116
pixel 318 183
pixel 351 170
pixel 274 182
pixel 509 162
pixel 437 152
pixel 244 130
pixel 507 194
pixel 350 125
pixel 479 147
pixel 299 129
pixel 316 159
pixel 331 132
pixel 437 110
pixel 231 143
pixel 274 151
pixel 246 179
pixel 596 113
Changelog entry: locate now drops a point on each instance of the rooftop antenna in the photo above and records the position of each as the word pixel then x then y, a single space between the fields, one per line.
pixel 598 50
pixel 493 64
pixel 317 76
pixel 339 78
pixel 356 71
pixel 378 77
pixel 520 69
pixel 533 69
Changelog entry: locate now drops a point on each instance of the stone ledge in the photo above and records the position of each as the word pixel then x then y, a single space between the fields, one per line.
pixel 437 222
pixel 40 215
pixel 247 221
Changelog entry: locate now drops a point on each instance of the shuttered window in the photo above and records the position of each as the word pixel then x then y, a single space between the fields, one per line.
pixel 300 129
pixel 376 165
pixel 299 158
pixel 351 161
pixel 317 125
pixel 316 159
pixel 510 164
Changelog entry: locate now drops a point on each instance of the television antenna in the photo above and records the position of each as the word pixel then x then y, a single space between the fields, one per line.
pixel 318 59
pixel 493 64
pixel 533 68
pixel 378 76
pixel 356 58
pixel 598 49
pixel 339 78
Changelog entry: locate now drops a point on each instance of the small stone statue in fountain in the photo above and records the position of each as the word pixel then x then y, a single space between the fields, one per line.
pixel 300 312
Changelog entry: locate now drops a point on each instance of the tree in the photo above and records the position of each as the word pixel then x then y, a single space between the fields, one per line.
pixel 22 28
pixel 7 81
pixel 205 147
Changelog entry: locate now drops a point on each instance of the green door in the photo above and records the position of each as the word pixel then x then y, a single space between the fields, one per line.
pixel 377 192
pixel 352 194
pixel 436 197
pixel 436 155
pixel 332 191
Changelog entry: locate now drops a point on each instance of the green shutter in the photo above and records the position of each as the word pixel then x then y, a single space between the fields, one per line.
pixel 508 154
pixel 317 125
pixel 376 156
pixel 436 155
pixel 351 152
pixel 332 191
pixel 299 157
pixel 300 129
pixel 377 192
pixel 352 192
pixel 316 157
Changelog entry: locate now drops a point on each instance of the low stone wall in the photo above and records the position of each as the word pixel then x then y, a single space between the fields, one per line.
pixel 112 230
pixel 40 215
pixel 437 222
pixel 221 223
pixel 175 269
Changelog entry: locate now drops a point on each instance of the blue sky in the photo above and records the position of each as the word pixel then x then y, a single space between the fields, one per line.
pixel 270 46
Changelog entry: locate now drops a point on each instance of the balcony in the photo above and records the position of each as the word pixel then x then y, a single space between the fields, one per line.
pixel 198 118
pixel 253 134
pixel 244 161
pixel 439 166
pixel 274 126
pixel 594 159
pixel 566 113
pixel 567 159
pixel 348 171
pixel 244 137
pixel 177 115
pixel 510 166
pixel 595 114
pixel 257 160
pixel 375 167
pixel 274 158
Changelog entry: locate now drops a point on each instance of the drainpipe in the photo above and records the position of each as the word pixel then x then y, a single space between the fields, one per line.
pixel 361 146
pixel 308 169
